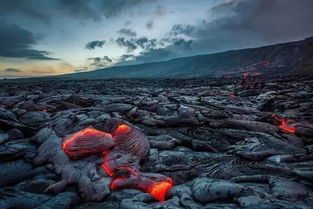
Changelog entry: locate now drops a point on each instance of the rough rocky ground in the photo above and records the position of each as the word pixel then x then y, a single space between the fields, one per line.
pixel 254 150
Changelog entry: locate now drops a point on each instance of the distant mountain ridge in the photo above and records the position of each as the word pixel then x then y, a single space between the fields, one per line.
pixel 292 57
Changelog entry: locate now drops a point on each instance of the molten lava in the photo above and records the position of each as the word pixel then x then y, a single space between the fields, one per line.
pixel 287 128
pixel 283 124
pixel 84 135
pixel 122 129
pixel 159 189
pixel 124 175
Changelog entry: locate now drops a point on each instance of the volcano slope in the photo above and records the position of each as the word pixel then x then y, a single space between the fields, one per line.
pixel 213 148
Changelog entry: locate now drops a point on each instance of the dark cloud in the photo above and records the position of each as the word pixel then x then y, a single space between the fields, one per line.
pixel 134 43
pixel 99 62
pixel 127 32
pixel 145 43
pixel 185 44
pixel 125 58
pixel 94 44
pixel 17 42
pixel 123 42
pixel 79 8
pixel 44 11
pixel 244 23
pixel 149 25
pixel 22 8
pixel 114 7
pixel 176 47
pixel 12 70
pixel 237 24
pixel 181 29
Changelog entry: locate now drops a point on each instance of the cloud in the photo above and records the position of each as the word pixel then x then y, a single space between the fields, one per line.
pixel 12 70
pixel 79 8
pixel 17 42
pixel 235 24
pixel 128 44
pixel 111 8
pixel 127 32
pixel 182 29
pixel 125 58
pixel 99 62
pixel 149 24
pixel 173 48
pixel 135 43
pixel 146 43
pixel 26 9
pixel 45 11
pixel 94 44
pixel 243 23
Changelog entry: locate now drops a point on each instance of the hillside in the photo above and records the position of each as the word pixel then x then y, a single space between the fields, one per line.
pixel 286 58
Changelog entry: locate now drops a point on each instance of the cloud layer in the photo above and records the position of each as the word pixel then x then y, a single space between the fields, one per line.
pixel 101 33
pixel 17 42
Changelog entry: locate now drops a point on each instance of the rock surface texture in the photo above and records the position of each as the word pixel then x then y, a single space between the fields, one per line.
pixel 141 144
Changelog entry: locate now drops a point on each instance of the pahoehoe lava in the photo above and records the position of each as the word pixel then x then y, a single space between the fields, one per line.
pixel 191 143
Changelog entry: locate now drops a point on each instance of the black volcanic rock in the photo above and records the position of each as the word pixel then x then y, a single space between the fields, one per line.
pixel 250 150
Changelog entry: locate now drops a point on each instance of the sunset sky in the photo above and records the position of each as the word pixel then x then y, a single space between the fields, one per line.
pixel 64 36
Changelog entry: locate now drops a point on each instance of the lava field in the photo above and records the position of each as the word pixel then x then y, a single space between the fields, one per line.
pixel 159 143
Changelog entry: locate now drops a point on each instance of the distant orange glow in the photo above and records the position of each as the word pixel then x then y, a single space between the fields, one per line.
pixel 159 189
pixel 232 95
pixel 122 129
pixel 245 74
pixel 45 110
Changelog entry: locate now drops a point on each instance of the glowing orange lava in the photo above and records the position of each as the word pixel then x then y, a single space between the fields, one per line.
pixel 107 169
pixel 87 132
pixel 284 124
pixel 104 165
pixel 134 180
pixel 122 129
pixel 159 189
pixel 287 128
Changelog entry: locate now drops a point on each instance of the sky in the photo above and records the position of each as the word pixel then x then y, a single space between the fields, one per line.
pixel 50 37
